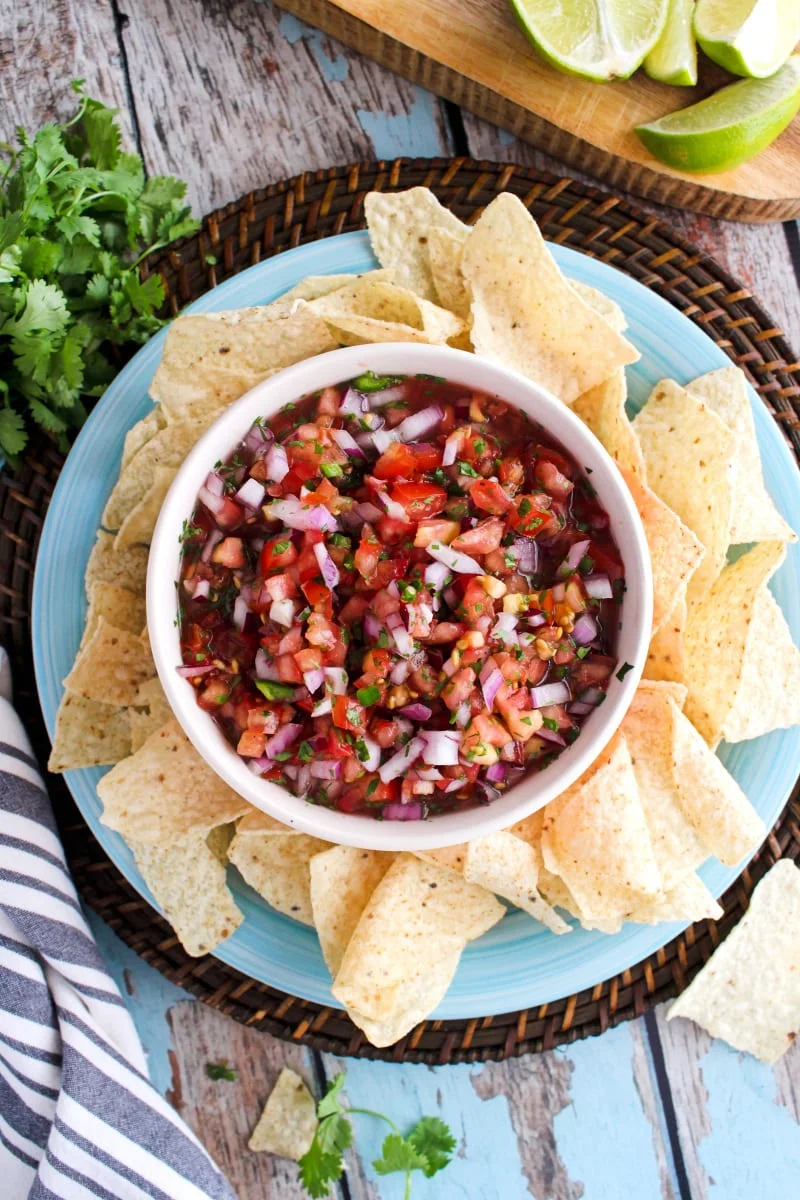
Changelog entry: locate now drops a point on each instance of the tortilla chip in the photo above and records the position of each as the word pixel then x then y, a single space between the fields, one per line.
pixel 506 865
pixel 211 359
pixel 689 900
pixel 648 730
pixel 595 837
pixel 677 692
pixel 219 841
pixel 416 1000
pixel 711 799
pixel 117 606
pixel 741 665
pixel 399 225
pixel 168 448
pixel 748 993
pixel 150 713
pixel 140 522
pixel 188 884
pixel 666 657
pixel 419 917
pixel 276 865
pixel 342 881
pixel 256 821
pixel 166 791
pixel 603 410
pixel 601 303
pixel 88 734
pixel 375 310
pixel 452 857
pixel 140 433
pixel 524 312
pixel 689 453
pixel 754 517
pixel 445 249
pixel 110 667
pixel 123 568
pixel 289 1120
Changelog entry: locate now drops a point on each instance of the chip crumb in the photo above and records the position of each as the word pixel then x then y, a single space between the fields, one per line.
pixel 289 1121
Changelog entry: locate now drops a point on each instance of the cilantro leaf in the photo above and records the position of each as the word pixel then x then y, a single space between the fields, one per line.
pixel 319 1169
pixel 398 1154
pixel 12 432
pixel 431 1138
pixel 221 1070
pixel 330 1102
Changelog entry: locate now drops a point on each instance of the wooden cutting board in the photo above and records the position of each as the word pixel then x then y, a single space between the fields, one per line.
pixel 473 53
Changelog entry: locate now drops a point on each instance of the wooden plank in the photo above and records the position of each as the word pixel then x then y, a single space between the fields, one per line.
pixel 43 46
pixel 473 53
pixel 232 97
pixel 737 1118
pixel 758 255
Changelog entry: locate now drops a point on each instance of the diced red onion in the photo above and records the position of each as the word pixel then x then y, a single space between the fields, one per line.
pixel 335 681
pixel 347 443
pixel 585 629
pixel 326 768
pixel 386 396
pixel 441 747
pixel 202 590
pixel 290 771
pixel 250 494
pixel 240 611
pixel 276 463
pixel 422 787
pixel 505 628
pixel 400 671
pixel 550 693
pixel 303 781
pixel 592 695
pixel 437 575
pixel 282 740
pixel 372 626
pixel 265 669
pixel 451 448
pixel 462 564
pixel 402 638
pixel 259 765
pixel 576 552
pixel 300 516
pixel 463 715
pixel 405 727
pixel 373 759
pixel 559 590
pixel 194 672
pixel 213 503
pixel 400 762
pixel 526 553
pixel 550 735
pixel 496 773
pixel 367 511
pixel 354 403
pixel 391 507
pixel 491 684
pixel 483 624
pixel 393 589
pixel 258 440
pixel 450 667
pixel 580 708
pixel 536 620
pixel 450 597
pixel 213 538
pixel 314 679
pixel 430 774
pixel 322 707
pixel 402 812
pixel 419 423
pixel 598 587
pixel 328 568
pixel 215 484
pixel 383 438
pixel 282 612
pixel 455 785
pixel 416 711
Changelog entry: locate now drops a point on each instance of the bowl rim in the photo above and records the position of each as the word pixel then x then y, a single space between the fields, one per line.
pixel 532 792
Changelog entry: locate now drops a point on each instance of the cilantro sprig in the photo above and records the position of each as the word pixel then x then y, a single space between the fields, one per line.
pixel 77 217
pixel 428 1147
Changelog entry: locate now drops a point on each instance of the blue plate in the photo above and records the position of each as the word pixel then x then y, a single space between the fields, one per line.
pixel 517 964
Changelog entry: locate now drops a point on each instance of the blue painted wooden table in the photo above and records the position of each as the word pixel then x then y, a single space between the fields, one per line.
pixel 231 94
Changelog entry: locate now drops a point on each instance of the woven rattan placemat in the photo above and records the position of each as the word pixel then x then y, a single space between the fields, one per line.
pixel 263 224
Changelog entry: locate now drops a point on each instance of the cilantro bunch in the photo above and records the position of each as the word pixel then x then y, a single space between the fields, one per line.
pixel 427 1147
pixel 77 216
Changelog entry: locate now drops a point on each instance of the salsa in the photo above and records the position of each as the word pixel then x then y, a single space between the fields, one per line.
pixel 398 596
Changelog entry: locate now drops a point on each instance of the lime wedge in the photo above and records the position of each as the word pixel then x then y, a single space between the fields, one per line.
pixel 599 39
pixel 673 59
pixel 729 127
pixel 748 37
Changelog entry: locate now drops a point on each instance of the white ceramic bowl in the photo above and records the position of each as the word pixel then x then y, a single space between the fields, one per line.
pixel 532 792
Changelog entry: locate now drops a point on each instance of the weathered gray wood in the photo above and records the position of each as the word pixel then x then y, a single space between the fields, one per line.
pixel 44 44
pixel 232 96
pixel 758 255
pixel 223 1114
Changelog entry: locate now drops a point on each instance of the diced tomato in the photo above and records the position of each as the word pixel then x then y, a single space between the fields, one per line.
pixel 230 513
pixel 391 530
pixel 401 461
pixel 386 732
pixel 386 570
pixel 328 403
pixel 276 553
pixel 214 694
pixel 550 454
pixel 309 659
pixel 251 743
pixel 322 632
pixel 445 631
pixel 299 474
pixel 605 561
pixel 292 641
pixel 593 671
pixel 420 500
pixel 263 719
pixel 526 518
pixel 368 552
pixel 349 714
pixel 338 744
pixel 488 495
pixel 287 668
pixel 436 531
pixel 280 587
pixel 512 475
pixel 353 610
pixel 318 596
pixel 485 537
pixel 352 769
pixel 376 662
pixel 476 603
pixel 551 479
pixel 456 691
pixel 229 553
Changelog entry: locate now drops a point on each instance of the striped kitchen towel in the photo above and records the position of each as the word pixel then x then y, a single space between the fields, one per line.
pixel 78 1116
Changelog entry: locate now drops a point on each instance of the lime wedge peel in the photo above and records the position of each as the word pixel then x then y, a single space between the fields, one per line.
pixel 728 128
pixel 596 39
pixel 748 37
pixel 673 59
